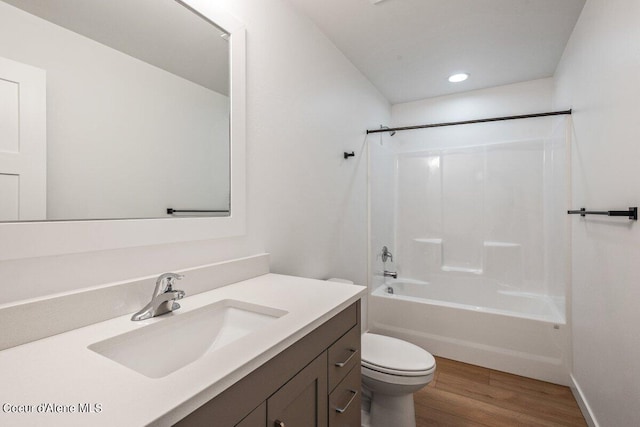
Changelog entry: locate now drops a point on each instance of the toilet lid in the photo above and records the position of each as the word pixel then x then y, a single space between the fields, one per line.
pixel 396 357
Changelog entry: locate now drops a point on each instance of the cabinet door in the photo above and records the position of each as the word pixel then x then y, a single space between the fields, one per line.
pixel 301 402
pixel 257 417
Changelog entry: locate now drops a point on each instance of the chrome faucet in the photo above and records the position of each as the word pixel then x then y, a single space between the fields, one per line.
pixel 163 299
pixel 388 256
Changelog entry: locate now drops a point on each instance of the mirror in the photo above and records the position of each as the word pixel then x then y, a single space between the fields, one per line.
pixel 111 110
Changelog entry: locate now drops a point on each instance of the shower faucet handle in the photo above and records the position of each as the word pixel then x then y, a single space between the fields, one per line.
pixel 386 255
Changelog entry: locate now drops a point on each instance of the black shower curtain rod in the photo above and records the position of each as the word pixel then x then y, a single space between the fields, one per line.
pixel 468 122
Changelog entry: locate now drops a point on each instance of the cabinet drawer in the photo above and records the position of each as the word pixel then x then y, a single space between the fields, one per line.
pixel 345 401
pixel 344 354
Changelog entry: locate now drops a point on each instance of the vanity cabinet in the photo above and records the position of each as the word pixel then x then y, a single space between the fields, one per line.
pixel 313 383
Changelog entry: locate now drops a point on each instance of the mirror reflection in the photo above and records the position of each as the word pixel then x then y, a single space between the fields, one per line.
pixel 112 109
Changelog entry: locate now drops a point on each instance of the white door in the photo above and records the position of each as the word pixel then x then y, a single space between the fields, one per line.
pixel 23 156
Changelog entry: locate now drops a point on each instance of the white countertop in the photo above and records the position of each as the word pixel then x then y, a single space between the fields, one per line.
pixel 61 370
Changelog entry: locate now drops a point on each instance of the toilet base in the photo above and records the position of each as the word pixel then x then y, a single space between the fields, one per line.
pixel 396 411
pixel 366 418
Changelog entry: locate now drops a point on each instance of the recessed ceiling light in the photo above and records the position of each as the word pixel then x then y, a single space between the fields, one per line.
pixel 457 78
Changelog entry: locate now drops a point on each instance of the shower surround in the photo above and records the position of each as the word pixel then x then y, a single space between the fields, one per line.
pixel 476 211
pixel 477 225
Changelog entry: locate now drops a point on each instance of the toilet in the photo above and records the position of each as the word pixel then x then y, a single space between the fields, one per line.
pixel 392 370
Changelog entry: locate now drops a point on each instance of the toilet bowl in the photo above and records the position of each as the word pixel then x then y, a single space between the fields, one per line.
pixel 392 370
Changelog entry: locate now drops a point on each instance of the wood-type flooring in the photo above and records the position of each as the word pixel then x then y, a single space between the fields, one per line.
pixel 463 395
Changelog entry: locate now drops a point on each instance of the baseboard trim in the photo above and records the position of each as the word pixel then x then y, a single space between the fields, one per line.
pixel 589 417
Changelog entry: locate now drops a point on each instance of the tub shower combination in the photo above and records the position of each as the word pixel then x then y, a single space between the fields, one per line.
pixel 477 295
pixel 479 248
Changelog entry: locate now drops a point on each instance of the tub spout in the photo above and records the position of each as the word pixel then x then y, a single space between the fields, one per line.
pixel 393 274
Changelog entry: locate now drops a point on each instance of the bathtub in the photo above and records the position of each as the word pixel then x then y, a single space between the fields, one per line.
pixel 477 295
pixel 476 321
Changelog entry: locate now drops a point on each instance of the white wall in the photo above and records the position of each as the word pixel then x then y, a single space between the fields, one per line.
pixel 310 104
pixel 598 78
pixel 124 139
pixel 307 206
pixel 509 100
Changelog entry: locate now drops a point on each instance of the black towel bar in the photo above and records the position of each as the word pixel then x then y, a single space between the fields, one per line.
pixel 632 213
pixel 171 211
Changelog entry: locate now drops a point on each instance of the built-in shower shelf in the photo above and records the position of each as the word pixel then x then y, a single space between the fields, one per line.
pixel 462 269
pixel 429 241
pixel 500 260
pixel 438 241
pixel 501 245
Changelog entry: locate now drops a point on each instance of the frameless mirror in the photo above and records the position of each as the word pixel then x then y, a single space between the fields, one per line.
pixel 112 109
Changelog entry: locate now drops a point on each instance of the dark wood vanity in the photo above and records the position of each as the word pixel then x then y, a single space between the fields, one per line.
pixel 313 383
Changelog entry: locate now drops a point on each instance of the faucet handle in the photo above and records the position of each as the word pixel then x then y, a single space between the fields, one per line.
pixel 386 254
pixel 167 278
pixel 170 280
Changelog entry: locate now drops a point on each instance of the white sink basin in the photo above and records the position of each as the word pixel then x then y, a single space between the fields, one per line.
pixel 177 340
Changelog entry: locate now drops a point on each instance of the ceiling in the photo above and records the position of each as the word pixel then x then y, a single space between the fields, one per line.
pixel 409 48
pixel 160 32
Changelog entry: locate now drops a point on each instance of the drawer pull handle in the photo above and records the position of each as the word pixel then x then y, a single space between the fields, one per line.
pixel 278 423
pixel 341 410
pixel 353 353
